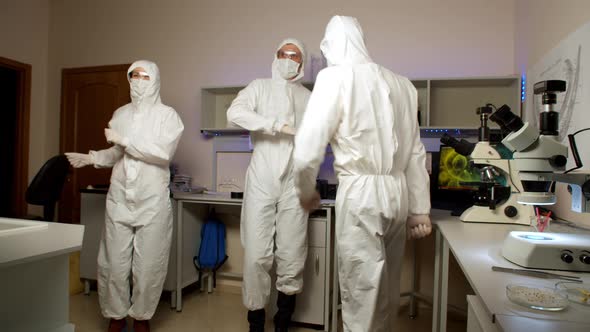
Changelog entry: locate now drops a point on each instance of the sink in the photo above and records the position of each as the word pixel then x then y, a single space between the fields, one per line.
pixel 9 226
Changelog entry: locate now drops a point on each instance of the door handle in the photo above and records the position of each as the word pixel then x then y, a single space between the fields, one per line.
pixel 317 264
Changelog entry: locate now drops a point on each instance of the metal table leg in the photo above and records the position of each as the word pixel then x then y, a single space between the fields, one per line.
pixel 335 290
pixel 413 301
pixel 441 275
pixel 179 256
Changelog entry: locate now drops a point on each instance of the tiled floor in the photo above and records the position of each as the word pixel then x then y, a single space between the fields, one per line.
pixel 216 312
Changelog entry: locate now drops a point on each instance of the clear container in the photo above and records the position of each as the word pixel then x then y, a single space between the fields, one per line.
pixel 541 223
pixel 576 292
pixel 539 298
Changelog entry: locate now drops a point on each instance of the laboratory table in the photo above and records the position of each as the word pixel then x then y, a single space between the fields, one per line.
pixel 476 247
pixel 34 274
pixel 323 263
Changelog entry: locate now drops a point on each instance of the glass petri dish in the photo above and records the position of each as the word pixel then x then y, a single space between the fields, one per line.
pixel 539 298
pixel 575 292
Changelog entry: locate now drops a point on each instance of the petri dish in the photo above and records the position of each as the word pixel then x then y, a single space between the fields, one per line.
pixel 539 298
pixel 579 293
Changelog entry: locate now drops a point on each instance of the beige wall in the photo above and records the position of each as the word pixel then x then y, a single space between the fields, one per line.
pixel 228 42
pixel 24 38
pixel 540 26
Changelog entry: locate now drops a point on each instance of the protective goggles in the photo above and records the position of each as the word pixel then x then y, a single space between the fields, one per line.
pixel 139 75
pixel 296 56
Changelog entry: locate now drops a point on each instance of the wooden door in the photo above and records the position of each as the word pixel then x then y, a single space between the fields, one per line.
pixel 89 98
pixel 15 98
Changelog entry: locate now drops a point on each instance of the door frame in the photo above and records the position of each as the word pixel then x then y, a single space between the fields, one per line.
pixel 23 107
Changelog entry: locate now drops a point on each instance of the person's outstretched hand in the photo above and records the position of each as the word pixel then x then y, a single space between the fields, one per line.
pixel 78 160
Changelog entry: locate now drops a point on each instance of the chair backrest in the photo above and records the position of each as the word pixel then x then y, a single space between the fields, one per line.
pixel 46 187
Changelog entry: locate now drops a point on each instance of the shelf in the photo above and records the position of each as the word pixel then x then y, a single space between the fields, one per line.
pixel 420 84
pixel 211 132
pixel 473 82
pixel 442 102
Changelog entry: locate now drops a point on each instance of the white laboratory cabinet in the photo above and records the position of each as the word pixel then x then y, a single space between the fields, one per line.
pixel 34 269
pixel 312 305
pixel 92 216
pixel 478 319
pixel 442 102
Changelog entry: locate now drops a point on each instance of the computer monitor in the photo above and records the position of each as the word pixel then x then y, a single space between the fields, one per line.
pixel 455 171
pixel 448 188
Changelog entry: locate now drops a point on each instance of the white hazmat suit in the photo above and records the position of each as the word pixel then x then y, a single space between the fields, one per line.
pixel 138 228
pixel 271 214
pixel 369 116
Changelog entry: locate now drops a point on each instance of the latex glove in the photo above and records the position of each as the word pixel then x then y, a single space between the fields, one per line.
pixel 418 226
pixel 78 160
pixel 311 204
pixel 113 137
pixel 288 130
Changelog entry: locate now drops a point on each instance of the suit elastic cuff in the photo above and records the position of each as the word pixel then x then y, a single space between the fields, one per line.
pixel 277 126
pixel 124 142
pixel 93 156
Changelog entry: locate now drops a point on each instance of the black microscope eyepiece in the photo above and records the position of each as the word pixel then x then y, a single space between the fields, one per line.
pixel 507 120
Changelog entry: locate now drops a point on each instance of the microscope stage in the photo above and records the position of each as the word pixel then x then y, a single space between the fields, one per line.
pixel 552 251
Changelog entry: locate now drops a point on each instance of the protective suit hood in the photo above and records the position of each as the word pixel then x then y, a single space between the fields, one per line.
pixel 344 42
pixel 275 71
pixel 152 92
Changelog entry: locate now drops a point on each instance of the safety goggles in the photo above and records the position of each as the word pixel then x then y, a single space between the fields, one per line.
pixel 293 55
pixel 139 75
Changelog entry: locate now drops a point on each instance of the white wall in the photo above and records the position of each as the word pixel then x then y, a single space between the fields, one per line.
pixel 540 26
pixel 229 42
pixel 24 38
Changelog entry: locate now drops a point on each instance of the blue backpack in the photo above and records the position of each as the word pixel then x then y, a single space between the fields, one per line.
pixel 211 255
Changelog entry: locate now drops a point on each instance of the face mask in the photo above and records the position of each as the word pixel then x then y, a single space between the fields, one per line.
pixel 288 68
pixel 138 87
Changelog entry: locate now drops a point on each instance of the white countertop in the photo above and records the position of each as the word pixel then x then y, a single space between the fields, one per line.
pixel 477 246
pixel 39 243
pixel 221 197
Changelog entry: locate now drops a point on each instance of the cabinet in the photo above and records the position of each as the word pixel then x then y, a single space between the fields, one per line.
pixel 478 319
pixel 214 105
pixel 310 303
pixel 442 102
pixel 92 216
pixel 313 303
pixel 453 102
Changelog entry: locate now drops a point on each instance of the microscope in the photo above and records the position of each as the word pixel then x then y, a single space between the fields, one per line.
pixel 539 160
pixel 495 200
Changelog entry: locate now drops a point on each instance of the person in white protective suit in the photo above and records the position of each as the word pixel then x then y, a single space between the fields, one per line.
pixel 369 116
pixel 271 109
pixel 138 228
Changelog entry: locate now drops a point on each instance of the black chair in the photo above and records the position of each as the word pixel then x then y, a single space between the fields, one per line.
pixel 46 187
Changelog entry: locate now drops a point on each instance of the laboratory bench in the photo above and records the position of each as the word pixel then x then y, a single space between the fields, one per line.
pixel 477 247
pixel 313 303
pixel 34 274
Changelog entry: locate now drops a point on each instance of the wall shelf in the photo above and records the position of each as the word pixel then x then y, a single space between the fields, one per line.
pixel 442 102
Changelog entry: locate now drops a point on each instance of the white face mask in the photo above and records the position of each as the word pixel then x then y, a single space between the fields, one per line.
pixel 287 68
pixel 138 87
